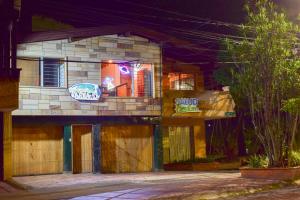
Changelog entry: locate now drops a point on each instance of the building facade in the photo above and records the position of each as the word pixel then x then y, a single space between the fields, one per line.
pixel 66 122
pixel 186 105
pixel 108 104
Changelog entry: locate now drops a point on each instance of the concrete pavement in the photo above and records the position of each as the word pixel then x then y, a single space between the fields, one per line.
pixel 159 185
pixel 287 193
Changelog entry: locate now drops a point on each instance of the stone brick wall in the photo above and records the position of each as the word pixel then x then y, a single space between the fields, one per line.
pixel 57 101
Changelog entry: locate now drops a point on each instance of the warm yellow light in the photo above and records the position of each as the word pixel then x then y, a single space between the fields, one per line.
pixel 110 61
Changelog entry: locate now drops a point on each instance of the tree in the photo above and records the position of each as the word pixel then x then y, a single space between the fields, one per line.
pixel 232 128
pixel 267 75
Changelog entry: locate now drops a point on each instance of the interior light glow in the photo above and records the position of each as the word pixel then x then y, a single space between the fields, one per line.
pixel 137 67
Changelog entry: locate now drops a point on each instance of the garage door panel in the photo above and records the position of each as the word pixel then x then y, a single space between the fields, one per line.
pixel 126 148
pixel 37 150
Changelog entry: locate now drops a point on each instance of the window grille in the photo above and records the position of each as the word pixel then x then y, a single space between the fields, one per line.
pixel 53 72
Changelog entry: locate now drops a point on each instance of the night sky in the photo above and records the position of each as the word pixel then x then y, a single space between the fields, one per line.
pixel 196 21
pixel 103 12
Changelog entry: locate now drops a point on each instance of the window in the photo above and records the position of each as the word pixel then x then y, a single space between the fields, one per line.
pixel 53 72
pixel 181 81
pixel 47 72
pixel 126 80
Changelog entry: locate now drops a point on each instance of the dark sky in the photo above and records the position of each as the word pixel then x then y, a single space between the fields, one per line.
pixel 185 19
pixel 90 12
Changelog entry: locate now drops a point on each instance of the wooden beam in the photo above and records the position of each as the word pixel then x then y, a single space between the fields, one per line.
pixel 96 140
pixel 6 146
pixel 199 141
pixel 1 147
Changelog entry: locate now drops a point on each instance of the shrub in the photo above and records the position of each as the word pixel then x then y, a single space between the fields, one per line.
pixel 258 161
pixel 295 158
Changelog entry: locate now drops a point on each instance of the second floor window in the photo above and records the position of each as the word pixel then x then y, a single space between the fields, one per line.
pixel 127 80
pixel 53 72
pixel 181 81
pixel 46 72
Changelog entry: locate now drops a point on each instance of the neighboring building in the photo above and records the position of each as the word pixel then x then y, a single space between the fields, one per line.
pixel 9 85
pixel 90 100
pixel 186 106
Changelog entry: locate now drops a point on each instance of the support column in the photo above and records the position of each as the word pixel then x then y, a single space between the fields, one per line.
pixel 157 148
pixel 1 147
pixel 68 148
pixel 96 140
pixel 199 140
pixel 6 145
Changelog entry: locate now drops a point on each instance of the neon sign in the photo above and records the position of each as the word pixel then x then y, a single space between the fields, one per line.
pixel 183 105
pixel 85 92
pixel 108 81
pixel 124 69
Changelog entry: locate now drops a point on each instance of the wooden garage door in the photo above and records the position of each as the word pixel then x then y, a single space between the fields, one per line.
pixel 37 150
pixel 82 148
pixel 126 148
pixel 179 141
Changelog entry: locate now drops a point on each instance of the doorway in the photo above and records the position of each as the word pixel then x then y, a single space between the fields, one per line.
pixel 81 148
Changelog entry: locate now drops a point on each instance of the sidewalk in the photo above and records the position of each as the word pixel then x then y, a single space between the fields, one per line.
pixel 159 185
pixel 7 188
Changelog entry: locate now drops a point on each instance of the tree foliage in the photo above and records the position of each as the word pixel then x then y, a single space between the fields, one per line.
pixel 267 76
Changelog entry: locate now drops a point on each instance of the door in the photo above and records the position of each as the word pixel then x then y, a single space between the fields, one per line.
pixel 179 141
pixel 81 148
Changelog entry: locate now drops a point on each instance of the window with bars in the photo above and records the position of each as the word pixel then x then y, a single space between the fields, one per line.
pixel 181 81
pixel 52 72
pixel 45 72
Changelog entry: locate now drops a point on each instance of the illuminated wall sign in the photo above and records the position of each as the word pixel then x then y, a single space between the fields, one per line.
pixel 124 69
pixel 85 92
pixel 183 105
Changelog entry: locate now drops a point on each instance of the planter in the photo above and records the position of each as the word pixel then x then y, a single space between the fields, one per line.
pixel 201 166
pixel 271 173
pixel 178 167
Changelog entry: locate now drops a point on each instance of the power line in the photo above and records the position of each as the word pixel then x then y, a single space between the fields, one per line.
pixel 177 13
pixel 212 36
pixel 126 62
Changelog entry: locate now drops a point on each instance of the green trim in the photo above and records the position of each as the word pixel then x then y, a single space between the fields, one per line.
pixel 158 148
pixel 67 148
pixel 96 137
